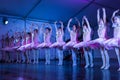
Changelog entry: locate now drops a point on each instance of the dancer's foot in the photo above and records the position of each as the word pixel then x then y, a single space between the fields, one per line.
pixel 74 64
pixel 91 65
pixel 107 67
pixel 118 69
pixel 86 66
pixel 102 67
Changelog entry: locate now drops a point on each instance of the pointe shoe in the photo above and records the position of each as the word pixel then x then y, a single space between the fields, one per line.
pixel 46 63
pixel 74 64
pixel 23 61
pixel 102 67
pixel 59 64
pixel 36 62
pixel 118 69
pixel 86 66
pixel 107 67
pixel 91 65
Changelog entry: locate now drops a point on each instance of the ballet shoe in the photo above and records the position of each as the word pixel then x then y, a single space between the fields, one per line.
pixel 86 66
pixel 118 69
pixel 59 64
pixel 91 65
pixel 74 64
pixel 102 67
pixel 107 67
pixel 46 63
pixel 23 61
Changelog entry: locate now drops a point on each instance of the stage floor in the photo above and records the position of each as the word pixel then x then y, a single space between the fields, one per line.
pixel 9 71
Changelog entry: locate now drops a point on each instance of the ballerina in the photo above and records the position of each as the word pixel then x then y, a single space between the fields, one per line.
pixel 114 42
pixel 59 42
pixel 73 40
pixel 99 42
pixel 84 43
pixel 46 44
pixel 21 49
pixel 35 42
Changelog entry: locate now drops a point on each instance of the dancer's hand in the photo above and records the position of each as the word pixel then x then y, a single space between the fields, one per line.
pixel 103 9
pixel 61 22
pixel 116 11
pixel 70 19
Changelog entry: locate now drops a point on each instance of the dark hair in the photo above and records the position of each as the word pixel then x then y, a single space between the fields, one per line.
pixel 115 16
pixel 29 33
pixel 47 28
pixel 36 30
pixel 84 23
pixel 59 27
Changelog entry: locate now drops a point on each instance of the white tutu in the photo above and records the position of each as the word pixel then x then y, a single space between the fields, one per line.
pixel 111 43
pixel 44 45
pixel 57 44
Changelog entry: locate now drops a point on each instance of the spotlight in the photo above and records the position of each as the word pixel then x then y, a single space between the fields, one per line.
pixel 5 20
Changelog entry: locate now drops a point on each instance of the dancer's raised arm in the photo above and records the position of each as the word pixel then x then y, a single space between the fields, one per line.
pixel 98 15
pixel 77 21
pixel 62 26
pixel 114 13
pixel 68 25
pixel 87 22
pixel 55 23
pixel 104 15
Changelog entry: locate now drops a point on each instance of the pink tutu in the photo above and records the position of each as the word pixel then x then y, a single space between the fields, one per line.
pixel 14 48
pixel 22 48
pixel 97 43
pixel 111 43
pixel 27 46
pixel 81 44
pixel 34 45
pixel 5 49
pixel 44 45
pixel 70 44
pixel 57 45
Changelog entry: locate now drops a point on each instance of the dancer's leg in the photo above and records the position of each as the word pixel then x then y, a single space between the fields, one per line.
pixel 118 56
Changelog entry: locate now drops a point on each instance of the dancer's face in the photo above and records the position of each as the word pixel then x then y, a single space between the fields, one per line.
pixel 74 27
pixel 59 29
pixel 117 20
pixel 46 31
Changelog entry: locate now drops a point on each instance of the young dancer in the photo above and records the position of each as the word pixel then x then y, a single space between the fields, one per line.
pixel 21 48
pixel 99 42
pixel 73 40
pixel 27 47
pixel 84 44
pixel 35 42
pixel 59 42
pixel 114 42
pixel 46 44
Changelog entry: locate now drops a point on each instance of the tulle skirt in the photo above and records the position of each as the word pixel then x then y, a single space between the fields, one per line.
pixel 22 48
pixel 82 44
pixel 44 45
pixel 57 45
pixel 69 45
pixel 111 43
pixel 34 45
pixel 97 43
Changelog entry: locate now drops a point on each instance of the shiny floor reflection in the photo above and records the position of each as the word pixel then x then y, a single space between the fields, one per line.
pixel 54 72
